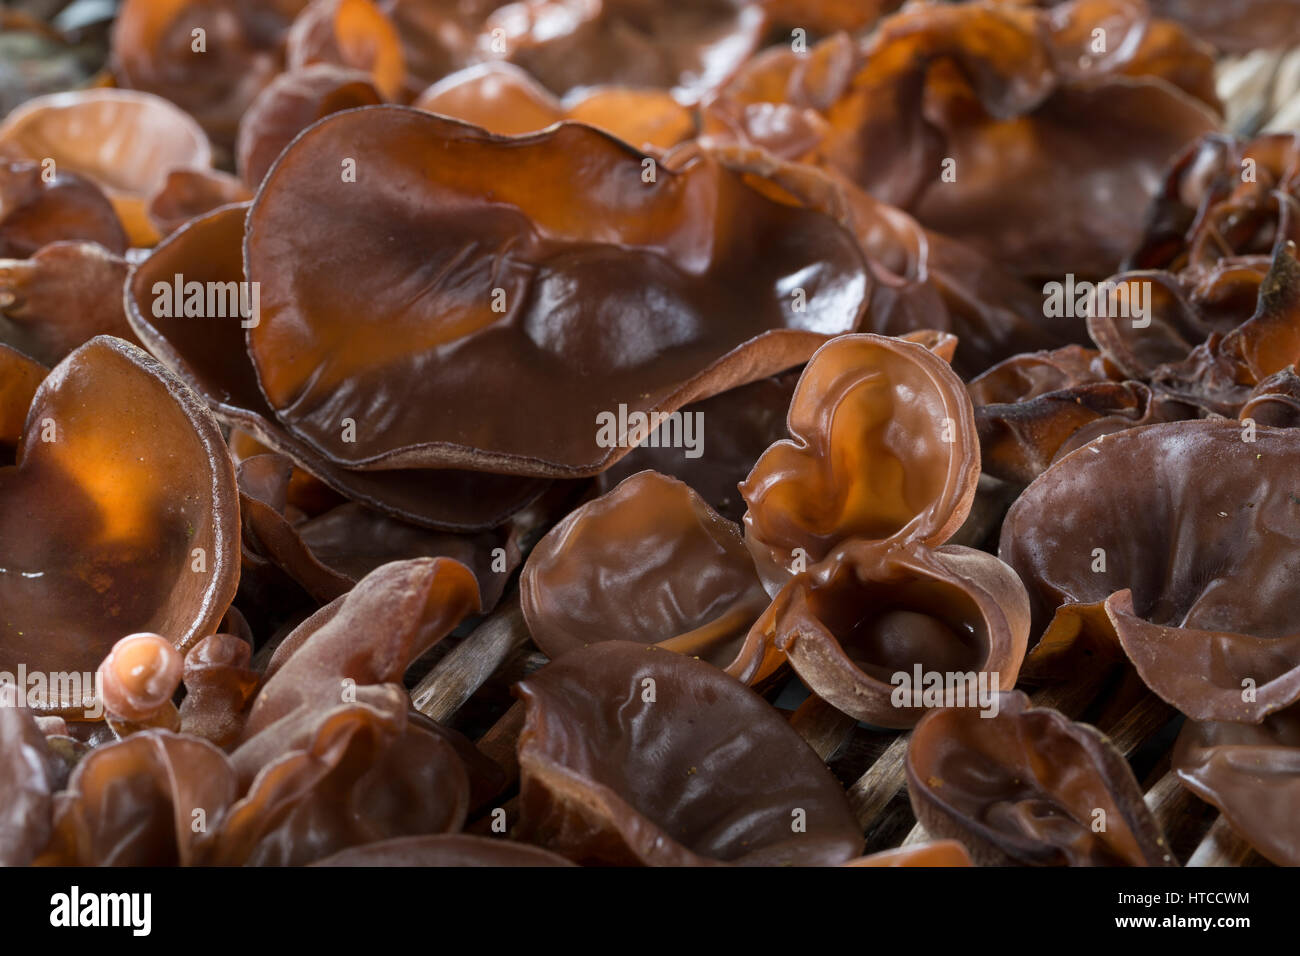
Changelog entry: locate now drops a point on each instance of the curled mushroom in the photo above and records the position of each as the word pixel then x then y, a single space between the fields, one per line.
pixel 1029 787
pixel 188 193
pixel 648 562
pixel 219 683
pixel 154 799
pixel 1180 565
pixel 636 755
pixel 27 784
pixel 108 527
pixel 123 140
pixel 1252 774
pixel 884 447
pixel 138 679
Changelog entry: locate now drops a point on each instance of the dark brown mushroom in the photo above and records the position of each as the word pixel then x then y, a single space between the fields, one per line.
pixel 631 754
pixel 41 204
pixel 350 33
pixel 1029 787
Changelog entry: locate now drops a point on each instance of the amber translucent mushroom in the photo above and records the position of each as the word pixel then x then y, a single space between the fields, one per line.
pixel 648 562
pixel 508 259
pixel 351 33
pixel 119 516
pixel 1029 787
pixel 20 376
pixel 637 755
pixel 208 352
pixel 884 447
pixel 124 140
pixel 139 677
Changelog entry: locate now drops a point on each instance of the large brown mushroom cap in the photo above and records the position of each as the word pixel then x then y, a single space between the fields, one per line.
pixel 637 755
pixel 208 352
pixel 592 286
pixel 119 516
pixel 1183 531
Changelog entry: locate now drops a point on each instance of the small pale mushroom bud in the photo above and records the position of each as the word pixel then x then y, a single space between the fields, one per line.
pixel 138 680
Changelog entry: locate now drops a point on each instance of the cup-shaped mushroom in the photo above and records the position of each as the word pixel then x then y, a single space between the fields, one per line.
pixel 289 104
pixel 37 208
pixel 123 140
pixel 119 516
pixel 139 678
pixel 1252 774
pixel 884 634
pixel 60 298
pixel 631 754
pixel 1029 375
pixel 351 33
pixel 153 799
pixel 195 325
pixel 564 265
pixel 448 849
pixel 884 447
pixel 1028 786
pixel 648 562
pixel 1180 530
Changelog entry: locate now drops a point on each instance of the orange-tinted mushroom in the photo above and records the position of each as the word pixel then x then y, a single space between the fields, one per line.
pixel 605 286
pixel 123 140
pixel 1029 787
pixel 884 447
pixel 939 853
pixel 204 345
pixel 20 376
pixel 119 516
pixel 351 33
pixel 636 755
pixel 138 679
pixel 649 562
pixel 213 73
